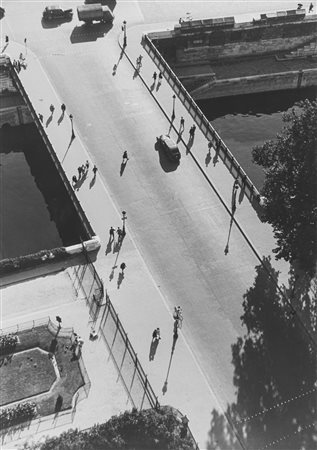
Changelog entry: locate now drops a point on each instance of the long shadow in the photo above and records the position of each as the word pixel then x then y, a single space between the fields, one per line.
pixel 60 119
pixel 116 65
pixel 153 348
pixel 54 23
pixel 166 164
pixel 89 33
pixel 49 120
pixel 122 167
pixel 189 144
pixel 165 385
pixel 274 374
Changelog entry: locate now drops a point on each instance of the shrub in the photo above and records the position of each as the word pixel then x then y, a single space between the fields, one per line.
pixel 17 414
pixel 8 343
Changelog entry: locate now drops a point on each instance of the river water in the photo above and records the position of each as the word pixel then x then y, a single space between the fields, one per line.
pixel 246 121
pixel 35 210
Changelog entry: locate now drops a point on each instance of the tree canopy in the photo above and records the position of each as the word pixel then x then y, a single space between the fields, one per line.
pixel 133 430
pixel 290 187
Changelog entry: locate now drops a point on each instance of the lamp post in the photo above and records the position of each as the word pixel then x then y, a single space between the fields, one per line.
pixel 71 121
pixel 124 28
pixel 124 218
pixel 173 112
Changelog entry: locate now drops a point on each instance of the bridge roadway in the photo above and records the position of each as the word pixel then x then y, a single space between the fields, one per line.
pixel 176 220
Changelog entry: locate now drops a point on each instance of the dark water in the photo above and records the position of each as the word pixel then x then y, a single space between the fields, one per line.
pixel 249 120
pixel 35 210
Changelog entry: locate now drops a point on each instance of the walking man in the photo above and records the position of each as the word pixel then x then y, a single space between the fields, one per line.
pixel 52 108
pixel 74 179
pixel 87 165
pixel 41 117
pixel 94 169
pixel 192 131
pixel 63 108
pixel 182 124
pixel 122 267
pixel 154 76
pixel 156 335
pixel 125 157
pixel 311 7
pixel 80 171
pixel 111 233
pixel 119 233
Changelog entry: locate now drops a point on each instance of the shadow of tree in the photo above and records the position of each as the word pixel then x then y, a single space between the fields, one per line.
pixel 274 375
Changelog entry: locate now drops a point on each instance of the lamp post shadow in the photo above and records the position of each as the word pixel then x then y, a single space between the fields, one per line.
pixel 175 337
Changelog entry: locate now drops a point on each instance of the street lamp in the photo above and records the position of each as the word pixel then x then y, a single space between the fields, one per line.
pixel 124 218
pixel 71 121
pixel 124 28
pixel 173 113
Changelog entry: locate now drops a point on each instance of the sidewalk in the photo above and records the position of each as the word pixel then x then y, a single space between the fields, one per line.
pixel 175 376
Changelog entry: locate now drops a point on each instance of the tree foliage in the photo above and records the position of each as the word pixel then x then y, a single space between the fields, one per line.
pixel 136 430
pixel 290 186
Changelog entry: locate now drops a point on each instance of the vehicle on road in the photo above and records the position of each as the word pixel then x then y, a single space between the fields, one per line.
pixel 95 12
pixel 55 12
pixel 170 148
pixel 2 12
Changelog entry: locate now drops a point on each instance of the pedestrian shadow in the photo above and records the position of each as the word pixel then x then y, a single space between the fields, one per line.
pixel 158 85
pixel 153 348
pixel 120 279
pixel 81 181
pixel 242 193
pixel 123 166
pixel 111 276
pixel 208 158
pixel 49 120
pixel 152 87
pixel 189 144
pixel 60 118
pixel 109 247
pixel 180 135
pixel 92 181
pixel 136 73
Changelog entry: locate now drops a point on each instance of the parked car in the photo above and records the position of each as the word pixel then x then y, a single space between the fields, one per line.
pixel 55 12
pixel 168 145
pixel 2 12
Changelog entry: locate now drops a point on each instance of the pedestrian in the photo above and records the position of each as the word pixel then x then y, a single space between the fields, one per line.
pixel 83 169
pixel 119 233
pixel 74 179
pixel 192 131
pixel 41 117
pixel 311 7
pixel 94 169
pixel 52 108
pixel 154 76
pixel 111 233
pixel 156 335
pixel 160 76
pixel 63 108
pixel 18 66
pixel 182 123
pixel 125 157
pixel 87 165
pixel 7 39
pixel 122 267
pixel 80 171
pixel 209 145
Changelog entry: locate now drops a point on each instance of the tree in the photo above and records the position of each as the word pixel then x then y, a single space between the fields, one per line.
pixel 148 429
pixel 290 187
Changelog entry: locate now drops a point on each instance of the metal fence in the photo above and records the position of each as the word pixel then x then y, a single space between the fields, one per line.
pixel 203 123
pixel 133 377
pixel 88 282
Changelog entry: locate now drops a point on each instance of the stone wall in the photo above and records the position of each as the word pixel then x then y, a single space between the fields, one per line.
pixel 255 84
pixel 205 44
pixel 15 115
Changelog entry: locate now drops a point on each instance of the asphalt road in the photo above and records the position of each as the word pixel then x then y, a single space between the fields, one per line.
pixel 179 225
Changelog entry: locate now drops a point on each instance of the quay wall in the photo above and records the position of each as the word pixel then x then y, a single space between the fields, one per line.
pixel 255 84
pixel 203 44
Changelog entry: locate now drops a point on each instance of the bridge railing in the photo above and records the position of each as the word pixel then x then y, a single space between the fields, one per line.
pixel 86 224
pixel 203 123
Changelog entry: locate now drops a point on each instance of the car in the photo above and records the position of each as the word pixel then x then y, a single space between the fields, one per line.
pixel 2 12
pixel 55 12
pixel 169 146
